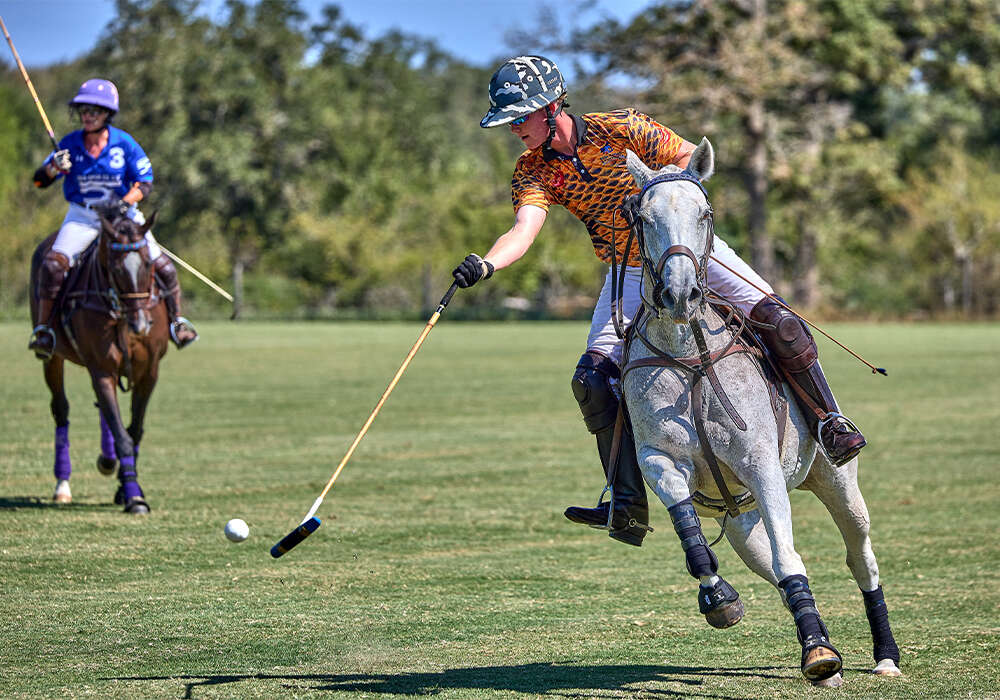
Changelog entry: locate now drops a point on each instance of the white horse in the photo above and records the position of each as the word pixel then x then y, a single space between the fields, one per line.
pixel 676 406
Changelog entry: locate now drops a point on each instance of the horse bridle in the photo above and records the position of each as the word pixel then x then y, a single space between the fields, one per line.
pixel 129 296
pixel 630 210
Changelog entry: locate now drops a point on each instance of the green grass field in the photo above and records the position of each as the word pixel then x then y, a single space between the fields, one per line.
pixel 444 565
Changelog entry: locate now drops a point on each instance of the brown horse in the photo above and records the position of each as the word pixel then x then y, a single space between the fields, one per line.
pixel 110 319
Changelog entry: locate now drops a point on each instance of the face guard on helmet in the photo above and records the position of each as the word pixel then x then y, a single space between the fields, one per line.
pixel 97 92
pixel 521 86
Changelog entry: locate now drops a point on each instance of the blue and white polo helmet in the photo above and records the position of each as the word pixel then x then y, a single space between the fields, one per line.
pixel 520 86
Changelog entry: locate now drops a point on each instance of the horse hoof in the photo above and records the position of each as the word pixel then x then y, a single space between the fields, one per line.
pixel 106 465
pixel 720 604
pixel 137 506
pixel 887 668
pixel 62 493
pixel 821 663
pixel 834 681
pixel 726 616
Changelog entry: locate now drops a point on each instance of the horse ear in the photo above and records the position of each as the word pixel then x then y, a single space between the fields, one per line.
pixel 702 163
pixel 149 223
pixel 637 168
pixel 106 225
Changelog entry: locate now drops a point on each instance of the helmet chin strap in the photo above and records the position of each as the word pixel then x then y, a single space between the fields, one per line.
pixel 550 119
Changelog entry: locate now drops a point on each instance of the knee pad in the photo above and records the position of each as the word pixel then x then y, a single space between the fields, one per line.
pixel 166 274
pixel 789 339
pixel 592 389
pixel 52 274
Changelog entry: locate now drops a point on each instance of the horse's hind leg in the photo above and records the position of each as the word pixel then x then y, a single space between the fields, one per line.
pixel 62 466
pixel 838 490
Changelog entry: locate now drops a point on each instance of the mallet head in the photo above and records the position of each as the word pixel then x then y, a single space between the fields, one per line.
pixel 295 536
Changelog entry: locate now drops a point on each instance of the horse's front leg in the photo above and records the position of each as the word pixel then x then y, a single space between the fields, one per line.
pixel 129 493
pixel 62 465
pixel 142 391
pixel 820 659
pixel 837 488
pixel 671 479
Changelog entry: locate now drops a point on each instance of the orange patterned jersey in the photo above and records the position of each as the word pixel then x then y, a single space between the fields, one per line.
pixel 593 183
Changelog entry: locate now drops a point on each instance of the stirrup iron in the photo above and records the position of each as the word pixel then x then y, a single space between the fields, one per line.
pixel 182 322
pixel 42 354
pixel 831 417
pixel 632 522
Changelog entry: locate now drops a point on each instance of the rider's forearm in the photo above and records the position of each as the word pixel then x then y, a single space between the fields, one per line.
pixel 139 191
pixel 511 246
pixel 42 177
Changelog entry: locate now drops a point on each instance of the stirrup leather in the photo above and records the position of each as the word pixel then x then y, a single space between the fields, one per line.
pixel 36 333
pixel 182 322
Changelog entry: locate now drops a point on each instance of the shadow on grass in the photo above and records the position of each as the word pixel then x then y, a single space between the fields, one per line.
pixel 16 502
pixel 559 680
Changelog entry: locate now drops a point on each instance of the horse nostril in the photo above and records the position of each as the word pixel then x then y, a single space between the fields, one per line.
pixel 695 294
pixel 668 298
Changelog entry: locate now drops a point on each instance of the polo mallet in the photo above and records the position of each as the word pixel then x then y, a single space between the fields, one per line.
pixel 222 292
pixel 31 88
pixel 311 522
pixel 776 300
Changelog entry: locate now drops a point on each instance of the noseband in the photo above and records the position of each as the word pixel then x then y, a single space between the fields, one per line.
pixel 630 209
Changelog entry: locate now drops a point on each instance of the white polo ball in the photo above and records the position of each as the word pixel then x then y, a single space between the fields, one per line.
pixel 237 530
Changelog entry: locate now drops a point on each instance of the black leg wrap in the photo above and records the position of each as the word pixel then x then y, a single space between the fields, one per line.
pixel 812 633
pixel 884 644
pixel 699 557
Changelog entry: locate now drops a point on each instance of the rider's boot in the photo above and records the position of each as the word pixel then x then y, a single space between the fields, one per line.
pixel 51 274
pixel 182 332
pixel 629 519
pixel 793 348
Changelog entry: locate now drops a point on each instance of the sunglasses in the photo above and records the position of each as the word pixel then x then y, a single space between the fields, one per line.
pixel 90 111
pixel 519 121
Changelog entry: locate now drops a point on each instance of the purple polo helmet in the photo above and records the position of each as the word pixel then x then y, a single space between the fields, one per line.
pixel 97 91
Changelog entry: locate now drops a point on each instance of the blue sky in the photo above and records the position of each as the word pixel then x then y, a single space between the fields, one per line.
pixel 47 31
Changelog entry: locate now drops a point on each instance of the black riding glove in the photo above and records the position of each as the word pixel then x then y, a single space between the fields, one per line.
pixel 115 209
pixel 471 270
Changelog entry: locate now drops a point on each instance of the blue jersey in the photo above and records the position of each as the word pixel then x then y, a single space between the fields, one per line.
pixel 121 164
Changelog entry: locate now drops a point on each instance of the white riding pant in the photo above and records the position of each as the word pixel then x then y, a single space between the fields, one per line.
pixel 603 338
pixel 82 225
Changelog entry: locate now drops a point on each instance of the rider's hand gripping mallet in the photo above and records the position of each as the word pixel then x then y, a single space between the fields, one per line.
pixel 311 522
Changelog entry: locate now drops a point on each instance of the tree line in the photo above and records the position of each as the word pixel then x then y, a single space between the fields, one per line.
pixel 320 172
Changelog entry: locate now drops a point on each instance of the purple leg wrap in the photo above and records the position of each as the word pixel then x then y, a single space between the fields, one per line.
pixel 62 466
pixel 107 440
pixel 127 475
